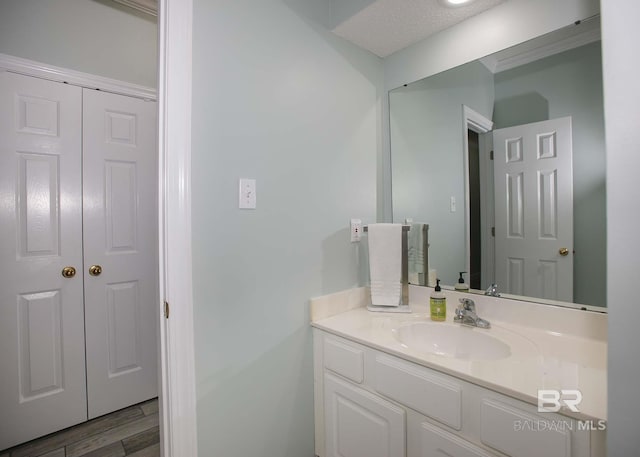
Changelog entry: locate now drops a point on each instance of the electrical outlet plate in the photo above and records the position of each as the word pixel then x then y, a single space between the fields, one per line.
pixel 356 230
pixel 247 194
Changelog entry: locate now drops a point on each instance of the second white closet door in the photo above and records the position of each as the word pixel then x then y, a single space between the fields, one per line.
pixel 120 239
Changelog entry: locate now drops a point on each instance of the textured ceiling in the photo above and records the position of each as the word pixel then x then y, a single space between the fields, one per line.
pixel 387 26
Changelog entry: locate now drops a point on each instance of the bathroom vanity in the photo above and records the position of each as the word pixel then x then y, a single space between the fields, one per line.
pixel 394 385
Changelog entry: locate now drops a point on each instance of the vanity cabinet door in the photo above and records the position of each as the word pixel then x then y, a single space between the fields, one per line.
pixel 359 423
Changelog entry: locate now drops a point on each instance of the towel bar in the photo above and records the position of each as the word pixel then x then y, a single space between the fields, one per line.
pixel 405 228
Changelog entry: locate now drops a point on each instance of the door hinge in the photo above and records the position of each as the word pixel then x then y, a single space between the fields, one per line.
pixel 166 310
pixel 490 155
pixel 493 234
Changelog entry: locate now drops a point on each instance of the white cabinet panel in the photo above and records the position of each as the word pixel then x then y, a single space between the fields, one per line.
pixel 361 424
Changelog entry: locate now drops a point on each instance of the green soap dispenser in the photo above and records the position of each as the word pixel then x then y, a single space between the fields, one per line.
pixel 438 304
pixel 461 286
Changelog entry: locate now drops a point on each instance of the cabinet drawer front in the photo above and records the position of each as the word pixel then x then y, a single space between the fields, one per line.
pixel 345 359
pixel 359 423
pixel 518 433
pixel 418 388
pixel 435 441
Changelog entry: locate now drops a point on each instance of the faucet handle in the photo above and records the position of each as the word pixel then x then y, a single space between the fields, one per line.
pixel 467 304
pixel 492 290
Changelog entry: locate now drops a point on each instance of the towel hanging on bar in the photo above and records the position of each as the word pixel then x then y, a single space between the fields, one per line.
pixel 385 263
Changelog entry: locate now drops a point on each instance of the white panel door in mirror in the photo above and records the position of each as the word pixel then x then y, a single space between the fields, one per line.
pixel 534 216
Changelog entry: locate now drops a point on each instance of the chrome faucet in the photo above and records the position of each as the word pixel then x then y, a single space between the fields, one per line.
pixel 492 290
pixel 466 314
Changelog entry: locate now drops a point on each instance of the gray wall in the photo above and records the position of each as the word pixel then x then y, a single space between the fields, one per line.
pixel 427 160
pixel 99 37
pixel 620 38
pixel 569 84
pixel 279 99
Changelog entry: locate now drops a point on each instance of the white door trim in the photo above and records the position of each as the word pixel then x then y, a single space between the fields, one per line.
pixel 77 78
pixel 487 216
pixel 177 361
pixel 476 122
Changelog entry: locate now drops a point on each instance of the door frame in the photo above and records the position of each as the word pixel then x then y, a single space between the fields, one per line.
pixel 178 436
pixel 476 122
pixel 487 202
pixel 177 358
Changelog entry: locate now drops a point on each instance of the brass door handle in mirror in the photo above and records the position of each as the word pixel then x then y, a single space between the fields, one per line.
pixel 95 270
pixel 68 272
pixel 563 252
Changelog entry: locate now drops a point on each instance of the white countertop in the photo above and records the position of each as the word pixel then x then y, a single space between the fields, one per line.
pixel 541 358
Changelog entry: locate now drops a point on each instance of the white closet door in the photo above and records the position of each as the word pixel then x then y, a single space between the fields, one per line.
pixel 42 358
pixel 120 236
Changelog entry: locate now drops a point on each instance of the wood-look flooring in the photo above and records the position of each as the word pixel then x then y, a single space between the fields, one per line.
pixel 131 432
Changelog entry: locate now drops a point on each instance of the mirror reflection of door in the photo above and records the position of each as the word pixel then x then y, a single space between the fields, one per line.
pixel 533 209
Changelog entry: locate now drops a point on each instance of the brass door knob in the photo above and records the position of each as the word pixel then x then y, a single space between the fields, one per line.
pixel 95 270
pixel 68 272
pixel 563 252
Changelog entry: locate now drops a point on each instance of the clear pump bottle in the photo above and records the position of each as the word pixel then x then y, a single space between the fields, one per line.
pixel 461 286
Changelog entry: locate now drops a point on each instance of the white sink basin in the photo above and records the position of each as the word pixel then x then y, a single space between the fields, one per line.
pixel 451 340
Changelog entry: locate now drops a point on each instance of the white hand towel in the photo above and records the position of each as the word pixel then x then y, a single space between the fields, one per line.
pixel 385 260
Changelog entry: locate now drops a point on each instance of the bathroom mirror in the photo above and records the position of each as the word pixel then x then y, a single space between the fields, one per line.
pixel 504 158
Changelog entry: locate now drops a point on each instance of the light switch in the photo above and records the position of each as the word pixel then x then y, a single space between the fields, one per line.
pixel 453 204
pixel 247 197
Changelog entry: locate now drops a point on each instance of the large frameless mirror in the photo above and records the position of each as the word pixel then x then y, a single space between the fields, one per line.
pixel 504 159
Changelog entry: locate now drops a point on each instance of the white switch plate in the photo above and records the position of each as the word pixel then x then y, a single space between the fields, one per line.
pixel 247 196
pixel 356 230
pixel 453 204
